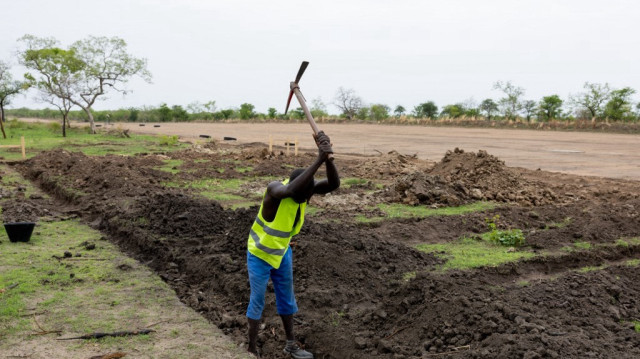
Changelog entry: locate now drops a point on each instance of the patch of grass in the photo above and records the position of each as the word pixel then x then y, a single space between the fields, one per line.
pixel 632 262
pixel 468 253
pixel 41 136
pixel 408 276
pixel 226 191
pixel 636 325
pixel 396 210
pixel 352 181
pixel 510 237
pixel 523 283
pixel 591 268
pixel 565 222
pixel 582 245
pixel 626 242
pixel 244 169
pixel 170 166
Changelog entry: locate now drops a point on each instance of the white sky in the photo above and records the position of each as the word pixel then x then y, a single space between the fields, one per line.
pixel 392 52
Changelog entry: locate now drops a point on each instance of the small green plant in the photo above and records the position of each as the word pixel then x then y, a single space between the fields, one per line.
pixel 168 140
pixel 511 237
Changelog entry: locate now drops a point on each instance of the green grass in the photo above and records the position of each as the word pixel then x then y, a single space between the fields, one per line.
pixel 170 166
pixel 626 242
pixel 578 245
pixel 45 136
pixel 636 325
pixel 352 181
pixel 565 222
pixel 632 262
pixel 405 211
pixel 468 253
pixel 588 269
pixel 244 169
pixel 226 191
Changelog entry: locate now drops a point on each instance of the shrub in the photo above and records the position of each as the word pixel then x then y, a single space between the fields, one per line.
pixel 168 140
pixel 510 237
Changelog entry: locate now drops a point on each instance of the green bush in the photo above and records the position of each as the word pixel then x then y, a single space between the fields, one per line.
pixel 168 140
pixel 54 127
pixel 510 237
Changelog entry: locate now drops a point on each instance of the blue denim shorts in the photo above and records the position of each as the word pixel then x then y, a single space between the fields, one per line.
pixel 282 278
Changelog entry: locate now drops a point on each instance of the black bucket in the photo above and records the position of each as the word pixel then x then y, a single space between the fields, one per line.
pixel 19 231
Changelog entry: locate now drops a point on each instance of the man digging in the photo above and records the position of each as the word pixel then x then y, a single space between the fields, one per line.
pixel 280 217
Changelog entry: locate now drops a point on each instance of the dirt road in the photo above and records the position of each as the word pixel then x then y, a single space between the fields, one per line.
pixel 582 153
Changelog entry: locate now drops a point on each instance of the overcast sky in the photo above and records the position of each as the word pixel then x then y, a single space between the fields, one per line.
pixel 391 52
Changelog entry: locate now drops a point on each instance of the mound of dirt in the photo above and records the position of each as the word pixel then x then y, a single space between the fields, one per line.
pixel 462 177
pixel 387 166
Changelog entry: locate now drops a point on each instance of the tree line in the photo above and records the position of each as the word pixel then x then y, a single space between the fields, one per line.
pixel 88 69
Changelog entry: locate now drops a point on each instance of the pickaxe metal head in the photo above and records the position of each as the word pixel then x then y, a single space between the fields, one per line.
pixel 294 84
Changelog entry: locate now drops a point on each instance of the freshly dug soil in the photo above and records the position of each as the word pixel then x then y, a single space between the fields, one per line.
pixel 364 290
pixel 461 178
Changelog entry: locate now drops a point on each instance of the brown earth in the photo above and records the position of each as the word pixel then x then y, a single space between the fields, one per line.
pixel 350 278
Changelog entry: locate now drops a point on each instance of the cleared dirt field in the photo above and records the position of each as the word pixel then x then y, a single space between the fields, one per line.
pixel 581 153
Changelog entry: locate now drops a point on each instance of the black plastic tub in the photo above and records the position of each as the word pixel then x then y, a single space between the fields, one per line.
pixel 19 231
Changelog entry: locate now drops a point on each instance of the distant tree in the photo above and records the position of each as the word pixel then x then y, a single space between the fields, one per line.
pixel 348 103
pixel 133 114
pixel 529 108
pixel 454 111
pixel 399 111
pixel 164 113
pixel 318 108
pixel 511 103
pixel 489 107
pixel 179 114
pixel 379 112
pixel 593 99
pixel 363 113
pixel 195 107
pixel 272 112
pixel 619 106
pixel 296 113
pixel 246 111
pixel 108 66
pixel 550 107
pixel 8 89
pixel 210 106
pixel 56 72
pixel 223 114
pixel 426 109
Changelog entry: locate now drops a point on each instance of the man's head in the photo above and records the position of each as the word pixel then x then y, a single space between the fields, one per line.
pixel 308 190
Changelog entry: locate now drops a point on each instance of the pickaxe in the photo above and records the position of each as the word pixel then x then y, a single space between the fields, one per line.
pixel 295 89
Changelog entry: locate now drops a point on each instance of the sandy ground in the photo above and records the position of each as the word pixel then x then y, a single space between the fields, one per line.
pixel 581 153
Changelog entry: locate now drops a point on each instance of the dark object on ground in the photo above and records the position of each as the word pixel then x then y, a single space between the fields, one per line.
pixel 205 136
pixel 125 333
pixel 110 356
pixel 67 254
pixel 98 125
pixel 156 125
pixel 292 144
pixel 142 124
pixel 229 138
pixel 19 231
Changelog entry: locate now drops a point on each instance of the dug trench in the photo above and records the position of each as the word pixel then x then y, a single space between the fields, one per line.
pixel 351 280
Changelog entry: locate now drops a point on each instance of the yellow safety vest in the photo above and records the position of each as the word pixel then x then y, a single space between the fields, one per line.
pixel 269 241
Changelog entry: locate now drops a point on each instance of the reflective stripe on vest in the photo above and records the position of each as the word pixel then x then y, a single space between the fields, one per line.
pixel 269 241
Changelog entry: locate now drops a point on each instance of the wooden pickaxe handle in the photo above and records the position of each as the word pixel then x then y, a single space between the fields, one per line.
pixel 307 113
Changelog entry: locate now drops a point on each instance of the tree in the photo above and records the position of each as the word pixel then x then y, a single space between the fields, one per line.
pixel 426 109
pixel 510 104
pixel 57 72
pixel 489 107
pixel 246 111
pixel 179 114
pixel 108 66
pixel 318 108
pixel 619 106
pixel 399 111
pixel 593 99
pixel 195 107
pixel 210 106
pixel 164 113
pixel 550 107
pixel 8 88
pixel 379 112
pixel 529 108
pixel 272 112
pixel 454 111
pixel 348 102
